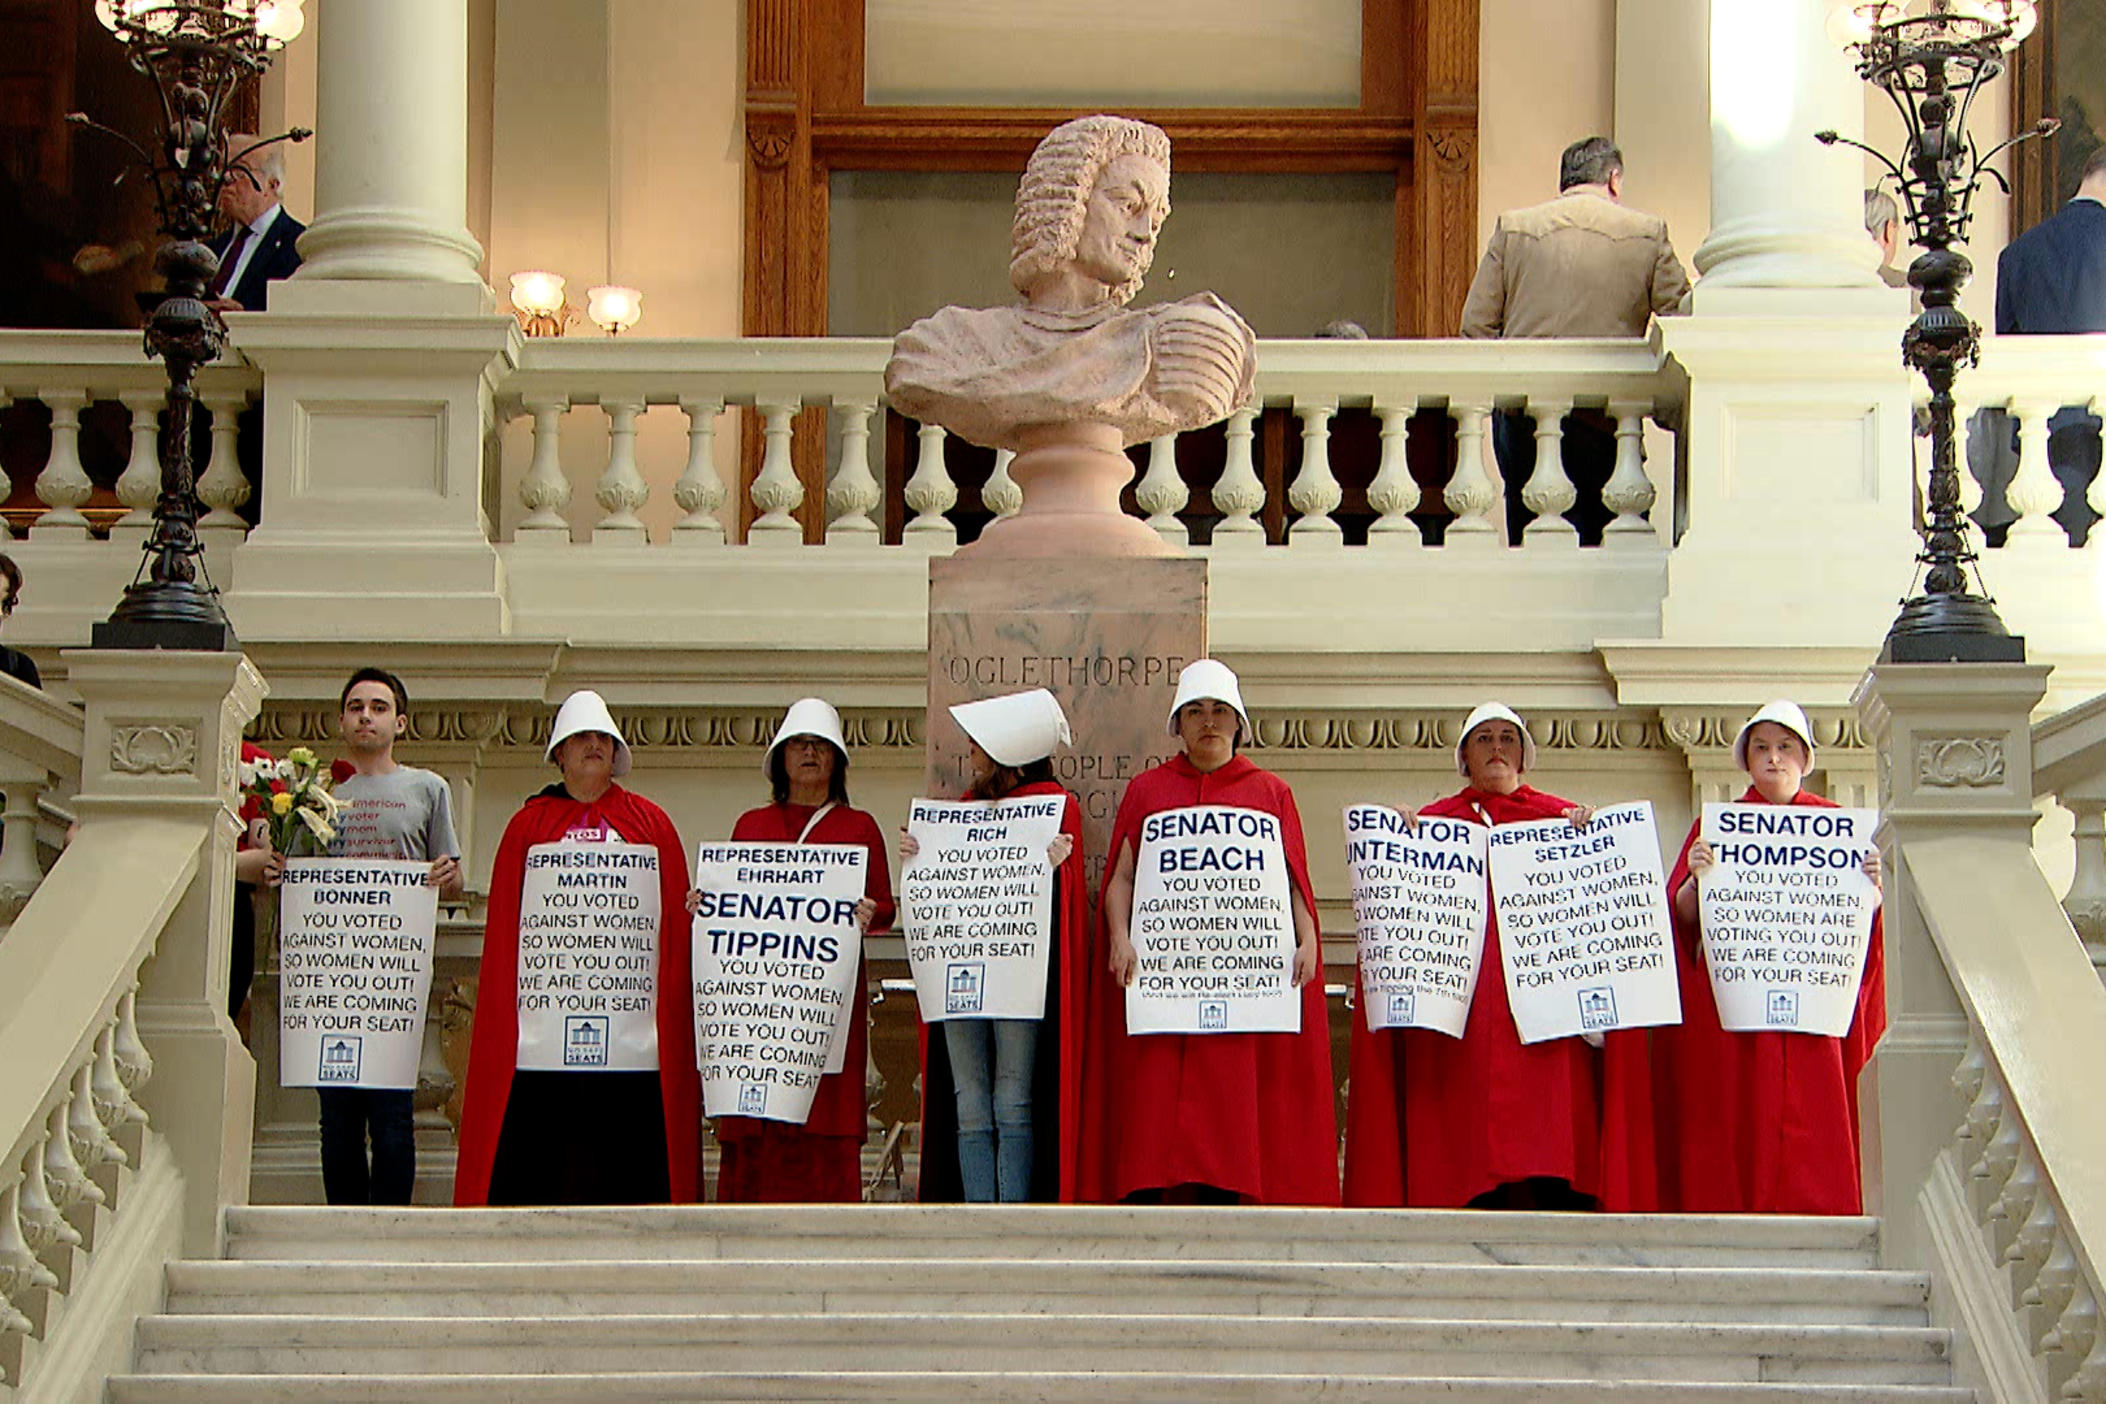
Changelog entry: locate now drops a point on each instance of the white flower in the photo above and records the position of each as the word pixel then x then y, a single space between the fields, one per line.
pixel 245 774
pixel 318 826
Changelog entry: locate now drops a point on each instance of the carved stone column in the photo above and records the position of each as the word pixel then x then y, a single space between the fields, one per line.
pixel 163 734
pixel 1955 758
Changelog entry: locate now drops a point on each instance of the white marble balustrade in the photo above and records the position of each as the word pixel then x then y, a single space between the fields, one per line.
pixel 67 371
pixel 2030 379
pixel 1311 380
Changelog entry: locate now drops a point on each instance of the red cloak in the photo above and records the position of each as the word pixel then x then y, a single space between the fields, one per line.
pixel 1249 1113
pixel 822 1160
pixel 1434 1121
pixel 1760 1122
pixel 493 1053
pixel 1056 1090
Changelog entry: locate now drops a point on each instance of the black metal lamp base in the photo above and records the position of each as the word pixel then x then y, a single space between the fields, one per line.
pixel 168 614
pixel 1951 629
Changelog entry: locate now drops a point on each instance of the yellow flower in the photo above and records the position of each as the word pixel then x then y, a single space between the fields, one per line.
pixel 281 804
pixel 300 755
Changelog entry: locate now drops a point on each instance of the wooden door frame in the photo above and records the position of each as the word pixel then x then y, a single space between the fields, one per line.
pixel 805 118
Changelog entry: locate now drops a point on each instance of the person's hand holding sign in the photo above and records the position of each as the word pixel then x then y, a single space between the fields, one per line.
pixel 866 912
pixel 1057 851
pixel 909 847
pixel 1580 815
pixel 1871 866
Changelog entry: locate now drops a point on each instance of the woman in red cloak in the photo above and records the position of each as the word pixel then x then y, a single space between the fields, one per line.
pixel 822 1160
pixel 538 1137
pixel 1217 1118
pixel 1488 1121
pixel 1761 1122
pixel 999 1097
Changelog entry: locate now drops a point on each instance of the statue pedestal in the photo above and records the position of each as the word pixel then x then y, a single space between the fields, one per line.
pixel 1106 635
pixel 1071 475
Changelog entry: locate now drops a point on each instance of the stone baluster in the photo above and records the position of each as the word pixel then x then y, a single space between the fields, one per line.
pixel 86 1136
pixel 1393 494
pixel 930 493
pixel 854 494
pixel 1315 493
pixel 622 488
pixel 1999 1157
pixel 221 486
pixel 2033 492
pixel 19 873
pixel 2027 1254
pixel 2086 902
pixel 2069 1342
pixel 776 492
pixel 1548 492
pixel 1629 492
pixel 699 490
pixel 140 483
pixel 63 487
pixel 2088 1384
pixel 21 1272
pixel 64 1176
pixel 545 491
pixel 2012 1205
pixel 1002 496
pixel 44 1223
pixel 135 1066
pixel 1239 494
pixel 1969 1073
pixel 1162 493
pixel 1473 494
pixel 2051 1289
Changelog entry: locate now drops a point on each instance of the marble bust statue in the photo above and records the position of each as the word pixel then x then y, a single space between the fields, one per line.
pixel 1071 353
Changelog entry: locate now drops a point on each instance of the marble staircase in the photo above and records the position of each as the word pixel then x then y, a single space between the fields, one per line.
pixel 913 1303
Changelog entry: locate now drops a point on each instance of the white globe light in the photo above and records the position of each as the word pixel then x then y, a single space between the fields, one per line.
pixel 613 308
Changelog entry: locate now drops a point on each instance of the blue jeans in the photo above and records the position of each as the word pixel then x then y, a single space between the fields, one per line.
pixel 994 1105
pixel 347 1114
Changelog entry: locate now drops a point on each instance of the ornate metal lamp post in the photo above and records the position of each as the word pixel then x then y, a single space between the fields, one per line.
pixel 1931 57
pixel 196 52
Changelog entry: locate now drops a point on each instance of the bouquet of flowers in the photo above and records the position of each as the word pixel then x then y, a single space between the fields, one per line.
pixel 293 795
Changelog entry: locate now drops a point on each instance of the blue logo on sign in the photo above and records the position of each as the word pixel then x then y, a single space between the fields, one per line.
pixel 585 1040
pixel 964 988
pixel 340 1058
pixel 1782 1007
pixel 1400 1006
pixel 753 1101
pixel 1213 1014
pixel 1597 1007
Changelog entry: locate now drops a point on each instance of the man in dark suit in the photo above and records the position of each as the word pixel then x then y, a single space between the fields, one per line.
pixel 258 247
pixel 2051 281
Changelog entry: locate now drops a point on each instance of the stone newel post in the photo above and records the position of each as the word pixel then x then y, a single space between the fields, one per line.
pixel 1955 758
pixel 163 736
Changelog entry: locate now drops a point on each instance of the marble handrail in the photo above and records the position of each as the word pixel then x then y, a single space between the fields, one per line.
pixel 2028 1157
pixel 70 1122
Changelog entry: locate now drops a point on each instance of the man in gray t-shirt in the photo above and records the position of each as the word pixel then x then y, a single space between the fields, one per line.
pixel 394 811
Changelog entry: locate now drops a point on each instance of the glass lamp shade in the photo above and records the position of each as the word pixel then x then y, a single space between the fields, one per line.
pixel 613 308
pixel 158 16
pixel 537 292
pixel 1850 24
pixel 279 21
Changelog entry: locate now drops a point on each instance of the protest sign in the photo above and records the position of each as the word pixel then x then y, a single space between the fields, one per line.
pixel 588 958
pixel 1419 901
pixel 976 906
pixel 776 960
pixel 1787 914
pixel 1583 932
pixel 354 971
pixel 1213 924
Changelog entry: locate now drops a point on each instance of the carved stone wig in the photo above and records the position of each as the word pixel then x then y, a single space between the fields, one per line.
pixel 1053 197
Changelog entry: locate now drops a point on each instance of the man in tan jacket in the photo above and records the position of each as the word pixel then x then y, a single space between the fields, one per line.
pixel 1579 265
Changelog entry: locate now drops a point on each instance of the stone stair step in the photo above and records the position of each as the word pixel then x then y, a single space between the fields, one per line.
pixel 988 1387
pixel 1314 1346
pixel 919 1232
pixel 1021 1286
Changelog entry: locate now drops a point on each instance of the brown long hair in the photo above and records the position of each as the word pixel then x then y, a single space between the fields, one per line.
pixel 1005 780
